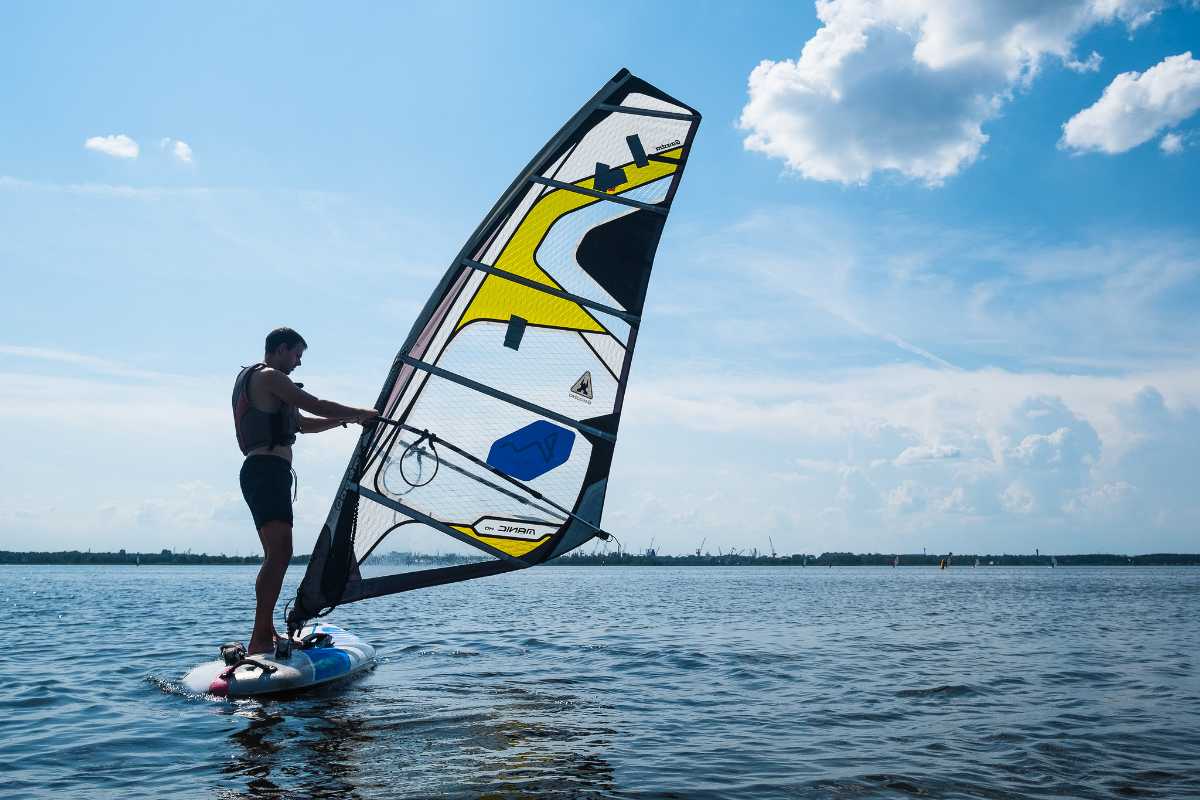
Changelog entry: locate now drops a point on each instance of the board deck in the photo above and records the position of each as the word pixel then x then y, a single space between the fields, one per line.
pixel 347 655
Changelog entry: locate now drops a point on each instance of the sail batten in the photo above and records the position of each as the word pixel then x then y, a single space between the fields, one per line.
pixel 632 319
pixel 648 112
pixel 434 523
pixel 507 398
pixel 501 409
pixel 612 198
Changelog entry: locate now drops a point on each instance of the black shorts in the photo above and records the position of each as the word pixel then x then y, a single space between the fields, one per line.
pixel 267 487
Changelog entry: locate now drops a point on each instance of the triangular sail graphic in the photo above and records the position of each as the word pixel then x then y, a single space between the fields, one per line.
pixel 501 409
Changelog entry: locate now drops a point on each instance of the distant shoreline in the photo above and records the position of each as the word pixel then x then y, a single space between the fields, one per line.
pixel 650 558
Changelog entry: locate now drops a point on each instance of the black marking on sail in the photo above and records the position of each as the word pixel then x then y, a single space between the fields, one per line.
pixel 516 330
pixel 608 178
pixel 636 149
pixel 599 465
pixel 605 422
pixel 619 254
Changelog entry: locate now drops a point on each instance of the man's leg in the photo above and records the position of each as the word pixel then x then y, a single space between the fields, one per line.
pixel 277 551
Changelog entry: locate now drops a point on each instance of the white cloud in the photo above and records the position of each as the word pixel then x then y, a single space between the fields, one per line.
pixel 925 453
pixel 1041 451
pixel 181 150
pixel 1136 107
pixel 1017 499
pixel 1090 64
pixel 907 498
pixel 116 190
pixel 956 502
pixel 117 145
pixel 907 85
pixel 91 363
pixel 1101 500
pixel 1108 301
pixel 1171 144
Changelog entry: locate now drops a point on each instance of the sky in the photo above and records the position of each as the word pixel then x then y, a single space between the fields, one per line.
pixel 931 279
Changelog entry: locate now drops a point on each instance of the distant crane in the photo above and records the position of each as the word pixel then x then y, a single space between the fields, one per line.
pixel 650 552
pixel 701 547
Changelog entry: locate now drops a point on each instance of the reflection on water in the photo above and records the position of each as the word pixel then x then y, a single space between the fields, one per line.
pixel 310 747
pixel 350 742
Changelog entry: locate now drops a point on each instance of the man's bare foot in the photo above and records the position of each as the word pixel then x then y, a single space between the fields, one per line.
pixel 258 647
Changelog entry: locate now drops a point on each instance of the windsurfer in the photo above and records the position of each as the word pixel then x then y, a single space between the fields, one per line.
pixel 266 415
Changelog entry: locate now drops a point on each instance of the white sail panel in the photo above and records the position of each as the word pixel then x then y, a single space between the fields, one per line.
pixel 608 143
pixel 639 100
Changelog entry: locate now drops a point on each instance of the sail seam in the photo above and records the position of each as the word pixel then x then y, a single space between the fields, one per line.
pixel 613 198
pixel 483 388
pixel 632 319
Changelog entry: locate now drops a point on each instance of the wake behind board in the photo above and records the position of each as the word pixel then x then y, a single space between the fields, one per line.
pixel 341 655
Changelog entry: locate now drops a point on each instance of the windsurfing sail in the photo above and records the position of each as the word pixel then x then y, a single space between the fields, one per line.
pixel 501 409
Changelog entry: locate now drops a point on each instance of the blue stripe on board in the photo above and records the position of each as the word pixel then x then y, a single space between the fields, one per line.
pixel 328 662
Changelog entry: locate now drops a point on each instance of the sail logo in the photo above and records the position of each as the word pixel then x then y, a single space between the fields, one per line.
pixel 662 147
pixel 582 388
pixel 531 451
pixel 512 528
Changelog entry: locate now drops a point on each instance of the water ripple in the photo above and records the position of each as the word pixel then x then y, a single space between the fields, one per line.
pixel 623 683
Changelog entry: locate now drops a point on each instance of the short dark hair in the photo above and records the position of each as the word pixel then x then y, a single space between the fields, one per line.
pixel 285 336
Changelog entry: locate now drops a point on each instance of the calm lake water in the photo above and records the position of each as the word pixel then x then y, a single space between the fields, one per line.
pixel 622 682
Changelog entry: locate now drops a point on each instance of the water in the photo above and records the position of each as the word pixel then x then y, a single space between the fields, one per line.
pixel 622 682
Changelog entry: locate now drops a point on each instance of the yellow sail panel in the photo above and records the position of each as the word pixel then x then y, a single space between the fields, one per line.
pixel 498 299
pixel 518 255
pixel 514 547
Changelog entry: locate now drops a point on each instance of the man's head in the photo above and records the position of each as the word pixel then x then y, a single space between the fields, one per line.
pixel 284 347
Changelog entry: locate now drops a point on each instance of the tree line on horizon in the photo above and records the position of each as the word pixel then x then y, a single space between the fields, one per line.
pixel 647 558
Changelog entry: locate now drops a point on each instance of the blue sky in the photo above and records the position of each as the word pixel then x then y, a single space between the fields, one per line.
pixel 931 279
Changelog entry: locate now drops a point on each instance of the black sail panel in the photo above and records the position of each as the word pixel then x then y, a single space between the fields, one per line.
pixel 501 410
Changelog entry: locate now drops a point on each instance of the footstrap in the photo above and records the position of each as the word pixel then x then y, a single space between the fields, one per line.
pixel 316 640
pixel 267 669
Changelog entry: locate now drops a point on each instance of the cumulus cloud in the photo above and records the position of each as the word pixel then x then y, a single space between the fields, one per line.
pixel 907 85
pixel 181 150
pixel 926 453
pixel 1018 499
pixel 1171 144
pixel 1136 107
pixel 1103 500
pixel 117 145
pixel 1090 64
pixel 907 498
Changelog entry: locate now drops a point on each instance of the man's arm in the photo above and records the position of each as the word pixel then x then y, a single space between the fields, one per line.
pixel 318 424
pixel 281 387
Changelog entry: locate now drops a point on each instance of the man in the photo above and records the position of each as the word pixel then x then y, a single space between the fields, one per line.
pixel 266 416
